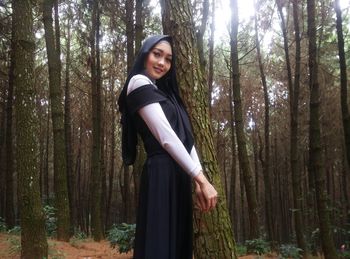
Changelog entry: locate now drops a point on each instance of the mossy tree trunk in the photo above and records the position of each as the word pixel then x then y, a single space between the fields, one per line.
pixel 213 237
pixel 316 158
pixel 57 114
pixel 33 236
pixel 95 184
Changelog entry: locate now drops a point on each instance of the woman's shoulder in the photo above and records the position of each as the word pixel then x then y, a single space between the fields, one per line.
pixel 137 81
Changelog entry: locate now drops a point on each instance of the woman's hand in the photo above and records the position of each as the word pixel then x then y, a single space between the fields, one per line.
pixel 205 193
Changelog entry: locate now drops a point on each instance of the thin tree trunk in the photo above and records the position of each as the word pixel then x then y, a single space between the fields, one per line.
pixel 10 210
pixel 112 157
pixel 200 35
pixel 343 80
pixel 68 133
pixel 211 57
pixel 138 25
pixel 294 160
pixel 316 163
pixel 232 198
pixel 2 152
pixel 241 141
pixel 178 22
pixel 57 111
pixel 95 181
pixel 33 236
pixel 266 160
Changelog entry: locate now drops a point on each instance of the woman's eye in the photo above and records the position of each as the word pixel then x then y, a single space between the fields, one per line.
pixel 169 60
pixel 156 54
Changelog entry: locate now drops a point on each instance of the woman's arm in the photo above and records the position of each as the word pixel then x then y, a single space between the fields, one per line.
pixel 158 124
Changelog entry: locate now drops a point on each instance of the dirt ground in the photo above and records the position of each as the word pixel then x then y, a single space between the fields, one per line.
pixel 75 249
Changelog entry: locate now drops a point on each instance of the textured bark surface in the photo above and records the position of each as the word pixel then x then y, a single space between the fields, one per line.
pixel 10 210
pixel 316 159
pixel 33 236
pixel 294 145
pixel 213 232
pixel 68 134
pixel 95 184
pixel 57 114
pixel 343 79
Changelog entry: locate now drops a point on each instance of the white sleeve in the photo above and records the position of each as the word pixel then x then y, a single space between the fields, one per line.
pixel 137 81
pixel 158 124
pixel 195 158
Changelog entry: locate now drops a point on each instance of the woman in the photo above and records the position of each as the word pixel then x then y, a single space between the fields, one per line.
pixel 150 105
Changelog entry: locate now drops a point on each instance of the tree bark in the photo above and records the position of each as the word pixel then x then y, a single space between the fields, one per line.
pixel 211 57
pixel 294 144
pixel 241 141
pixel 200 35
pixel 10 210
pixel 33 236
pixel 139 24
pixel 95 184
pixel 343 80
pixel 68 132
pixel 57 113
pixel 213 231
pixel 316 159
pixel 266 160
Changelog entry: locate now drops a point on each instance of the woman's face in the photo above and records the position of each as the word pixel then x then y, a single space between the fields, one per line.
pixel 158 61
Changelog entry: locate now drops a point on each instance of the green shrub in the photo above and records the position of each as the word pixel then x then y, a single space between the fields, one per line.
pixel 257 246
pixel 290 251
pixel 241 250
pixel 16 230
pixel 78 234
pixel 123 236
pixel 50 220
pixel 2 225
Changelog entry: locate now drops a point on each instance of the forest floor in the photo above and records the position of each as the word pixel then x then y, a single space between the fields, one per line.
pixel 77 249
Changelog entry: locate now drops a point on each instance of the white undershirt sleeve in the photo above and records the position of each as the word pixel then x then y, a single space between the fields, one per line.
pixel 158 124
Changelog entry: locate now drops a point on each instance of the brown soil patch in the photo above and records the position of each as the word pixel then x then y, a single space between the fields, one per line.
pixel 75 249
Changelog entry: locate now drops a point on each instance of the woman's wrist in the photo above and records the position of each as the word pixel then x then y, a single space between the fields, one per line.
pixel 200 178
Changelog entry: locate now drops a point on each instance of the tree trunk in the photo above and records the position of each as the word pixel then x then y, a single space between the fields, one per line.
pixel 129 22
pixel 68 134
pixel 266 160
pixel 232 197
pixel 316 163
pixel 57 112
pixel 33 236
pixel 343 80
pixel 138 25
pixel 241 141
pixel 2 152
pixel 10 210
pixel 294 144
pixel 112 157
pixel 211 57
pixel 200 35
pixel 95 184
pixel 213 231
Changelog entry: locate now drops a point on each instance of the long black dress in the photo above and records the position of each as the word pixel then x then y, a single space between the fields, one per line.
pixel 164 220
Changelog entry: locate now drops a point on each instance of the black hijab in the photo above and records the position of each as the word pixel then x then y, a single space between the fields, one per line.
pixel 167 84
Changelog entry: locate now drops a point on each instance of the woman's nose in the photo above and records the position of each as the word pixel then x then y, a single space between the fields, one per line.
pixel 161 61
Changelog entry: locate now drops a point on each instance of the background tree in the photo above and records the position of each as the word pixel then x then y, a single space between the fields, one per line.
pixel 52 40
pixel 241 141
pixel 316 164
pixel 33 238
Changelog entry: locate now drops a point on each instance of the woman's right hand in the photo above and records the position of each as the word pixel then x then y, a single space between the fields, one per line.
pixel 208 192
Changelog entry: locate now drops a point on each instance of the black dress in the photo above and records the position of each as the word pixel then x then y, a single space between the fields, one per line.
pixel 164 218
